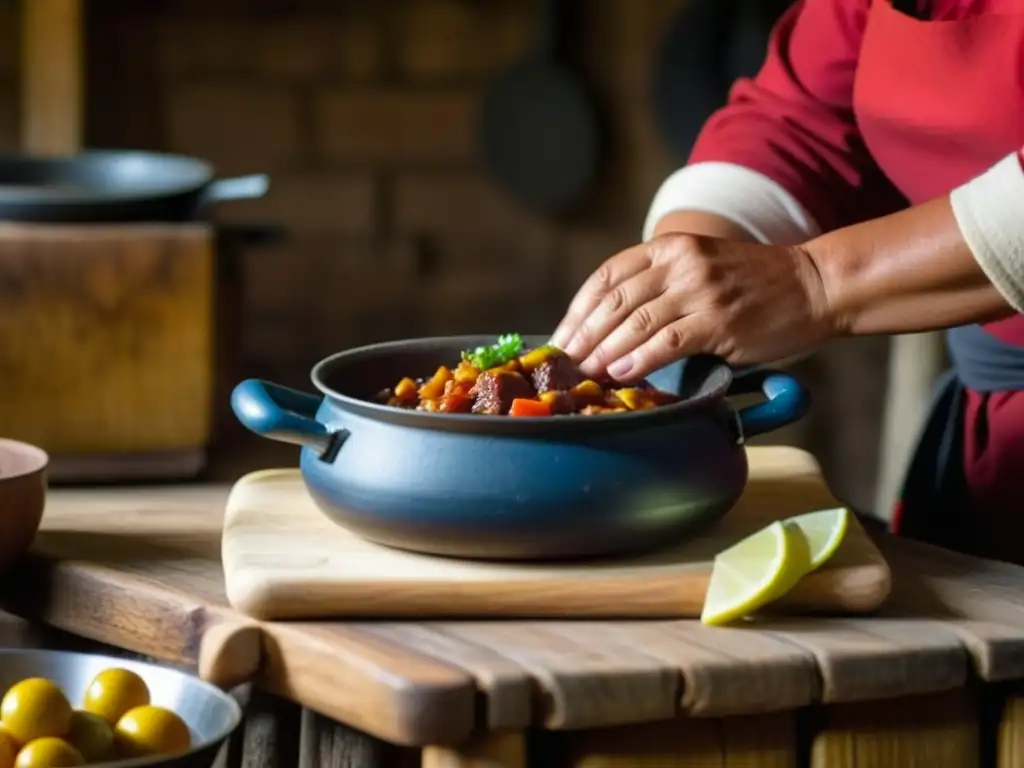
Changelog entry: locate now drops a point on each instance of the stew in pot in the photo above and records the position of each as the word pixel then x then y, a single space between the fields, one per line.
pixel 506 379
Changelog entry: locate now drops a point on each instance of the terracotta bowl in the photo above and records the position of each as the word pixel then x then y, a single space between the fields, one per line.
pixel 22 497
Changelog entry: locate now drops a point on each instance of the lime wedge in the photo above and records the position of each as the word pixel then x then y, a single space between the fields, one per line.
pixel 755 572
pixel 824 530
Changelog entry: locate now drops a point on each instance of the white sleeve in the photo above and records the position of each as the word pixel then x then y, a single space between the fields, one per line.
pixel 989 210
pixel 747 198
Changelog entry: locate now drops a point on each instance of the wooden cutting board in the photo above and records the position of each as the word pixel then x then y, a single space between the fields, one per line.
pixel 284 560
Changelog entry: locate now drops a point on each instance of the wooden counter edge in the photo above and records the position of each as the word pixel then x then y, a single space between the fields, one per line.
pixel 391 692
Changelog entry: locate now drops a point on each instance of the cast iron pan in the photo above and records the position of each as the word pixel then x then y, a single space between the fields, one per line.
pixel 707 47
pixel 539 130
pixel 115 186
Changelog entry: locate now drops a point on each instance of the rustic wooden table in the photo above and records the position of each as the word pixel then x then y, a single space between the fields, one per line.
pixel 932 679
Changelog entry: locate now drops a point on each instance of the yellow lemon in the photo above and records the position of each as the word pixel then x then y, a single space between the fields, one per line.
pixel 152 730
pixel 113 692
pixel 48 752
pixel 9 747
pixel 35 708
pixel 92 736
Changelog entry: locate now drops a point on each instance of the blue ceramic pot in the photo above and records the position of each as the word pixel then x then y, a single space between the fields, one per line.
pixel 497 487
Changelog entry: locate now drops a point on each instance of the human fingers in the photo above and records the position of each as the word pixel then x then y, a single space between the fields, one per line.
pixel 616 306
pixel 680 338
pixel 605 278
pixel 635 329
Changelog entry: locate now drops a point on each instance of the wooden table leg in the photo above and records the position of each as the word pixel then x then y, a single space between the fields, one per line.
pixel 1010 727
pixel 938 731
pixel 269 737
pixel 759 741
pixel 329 744
pixel 495 750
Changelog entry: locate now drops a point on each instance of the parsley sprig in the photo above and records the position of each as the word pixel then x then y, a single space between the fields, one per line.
pixel 507 347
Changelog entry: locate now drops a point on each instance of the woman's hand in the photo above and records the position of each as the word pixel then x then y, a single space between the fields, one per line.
pixel 679 294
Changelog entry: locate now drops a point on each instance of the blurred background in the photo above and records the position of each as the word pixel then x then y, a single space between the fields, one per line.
pixel 366 116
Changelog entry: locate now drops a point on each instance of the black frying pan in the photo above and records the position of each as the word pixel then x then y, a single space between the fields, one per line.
pixel 115 186
pixel 539 128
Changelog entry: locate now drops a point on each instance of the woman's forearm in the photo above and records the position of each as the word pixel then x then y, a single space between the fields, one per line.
pixel 909 272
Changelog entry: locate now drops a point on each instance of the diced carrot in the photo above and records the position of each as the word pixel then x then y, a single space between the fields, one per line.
pixel 455 402
pixel 524 406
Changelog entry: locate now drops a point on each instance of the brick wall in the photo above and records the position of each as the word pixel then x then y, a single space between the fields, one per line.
pixel 365 115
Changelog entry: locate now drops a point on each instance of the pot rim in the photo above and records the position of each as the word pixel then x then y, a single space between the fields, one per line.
pixel 484 424
pixel 36 458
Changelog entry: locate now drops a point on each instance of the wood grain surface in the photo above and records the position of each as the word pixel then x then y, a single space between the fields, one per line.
pixel 139 568
pixel 106 337
pixel 283 559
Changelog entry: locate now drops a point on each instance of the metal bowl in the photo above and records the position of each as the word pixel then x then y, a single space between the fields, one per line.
pixel 211 714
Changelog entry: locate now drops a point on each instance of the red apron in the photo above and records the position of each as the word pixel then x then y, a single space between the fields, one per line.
pixel 947 96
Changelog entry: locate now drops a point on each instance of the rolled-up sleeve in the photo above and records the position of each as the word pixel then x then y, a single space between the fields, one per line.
pixel 793 125
pixel 989 210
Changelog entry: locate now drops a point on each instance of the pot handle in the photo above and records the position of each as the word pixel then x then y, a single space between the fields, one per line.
pixel 787 400
pixel 234 188
pixel 280 413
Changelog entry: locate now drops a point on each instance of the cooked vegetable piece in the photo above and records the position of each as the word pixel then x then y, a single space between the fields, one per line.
pixel 456 402
pixel 532 359
pixel 406 389
pixel 434 387
pixel 587 392
pixel 633 398
pixel 524 406
pixel 595 410
pixel 467 372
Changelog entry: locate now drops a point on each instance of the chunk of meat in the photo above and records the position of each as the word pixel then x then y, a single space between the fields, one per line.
pixel 556 373
pixel 496 389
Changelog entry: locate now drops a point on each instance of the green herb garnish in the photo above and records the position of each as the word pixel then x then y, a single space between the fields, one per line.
pixel 507 348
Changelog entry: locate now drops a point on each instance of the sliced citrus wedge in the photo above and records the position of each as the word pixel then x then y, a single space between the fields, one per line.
pixel 825 531
pixel 755 572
